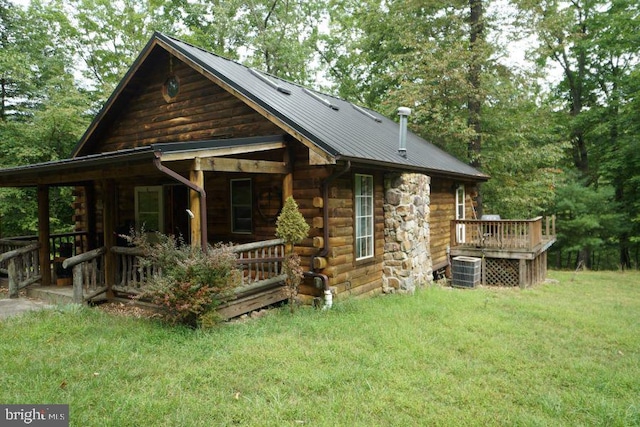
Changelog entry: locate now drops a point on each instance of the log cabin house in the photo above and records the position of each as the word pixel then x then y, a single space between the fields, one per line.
pixel 194 144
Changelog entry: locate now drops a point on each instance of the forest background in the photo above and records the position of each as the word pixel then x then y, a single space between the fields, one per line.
pixel 558 128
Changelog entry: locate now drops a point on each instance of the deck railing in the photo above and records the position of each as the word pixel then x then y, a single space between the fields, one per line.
pixel 88 273
pixel 22 267
pixel 8 245
pixel 501 234
pixel 260 260
pixel 65 245
pixel 131 276
pixel 260 263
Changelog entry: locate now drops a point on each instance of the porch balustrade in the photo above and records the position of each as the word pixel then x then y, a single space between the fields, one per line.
pixel 525 235
pixel 21 263
pixel 259 262
pixel 88 274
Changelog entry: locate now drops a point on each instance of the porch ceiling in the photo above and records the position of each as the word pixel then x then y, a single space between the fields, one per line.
pixel 130 162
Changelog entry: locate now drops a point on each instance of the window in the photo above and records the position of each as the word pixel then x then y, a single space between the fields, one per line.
pixel 171 88
pixel 149 208
pixel 364 216
pixel 460 210
pixel 241 209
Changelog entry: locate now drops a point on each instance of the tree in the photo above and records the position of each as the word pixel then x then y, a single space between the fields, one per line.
pixel 523 150
pixel 595 45
pixel 477 58
pixel 277 36
pixel 110 34
pixel 44 112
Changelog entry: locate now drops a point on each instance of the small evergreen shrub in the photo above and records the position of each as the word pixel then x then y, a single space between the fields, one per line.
pixel 291 225
pixel 192 283
pixel 292 228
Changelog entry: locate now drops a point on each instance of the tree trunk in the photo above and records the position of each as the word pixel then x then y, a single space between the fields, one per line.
pixel 3 96
pixel 474 103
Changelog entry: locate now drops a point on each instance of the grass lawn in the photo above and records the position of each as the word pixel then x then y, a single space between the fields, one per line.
pixel 558 354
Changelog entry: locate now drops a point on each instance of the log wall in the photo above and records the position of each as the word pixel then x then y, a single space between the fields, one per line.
pixel 443 211
pixel 200 111
pixel 348 276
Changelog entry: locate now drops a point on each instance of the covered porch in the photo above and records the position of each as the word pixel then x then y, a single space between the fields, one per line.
pixel 513 252
pixel 94 262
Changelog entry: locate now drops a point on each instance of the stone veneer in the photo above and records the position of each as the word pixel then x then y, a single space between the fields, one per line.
pixel 407 258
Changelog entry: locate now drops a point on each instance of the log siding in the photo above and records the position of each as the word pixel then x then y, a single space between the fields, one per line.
pixel 200 111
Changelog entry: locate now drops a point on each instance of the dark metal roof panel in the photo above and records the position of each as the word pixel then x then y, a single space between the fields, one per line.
pixel 344 132
pixel 93 162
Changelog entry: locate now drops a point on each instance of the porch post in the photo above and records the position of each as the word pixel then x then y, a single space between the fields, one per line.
pixel 196 176
pixel 43 234
pixel 90 205
pixel 287 181
pixel 108 233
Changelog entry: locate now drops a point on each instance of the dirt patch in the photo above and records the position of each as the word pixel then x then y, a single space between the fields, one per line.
pixel 117 308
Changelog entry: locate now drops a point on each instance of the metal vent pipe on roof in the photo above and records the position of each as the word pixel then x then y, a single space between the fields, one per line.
pixel 403 112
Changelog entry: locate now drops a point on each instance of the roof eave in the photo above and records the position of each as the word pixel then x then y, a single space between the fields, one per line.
pixel 480 177
pixel 43 173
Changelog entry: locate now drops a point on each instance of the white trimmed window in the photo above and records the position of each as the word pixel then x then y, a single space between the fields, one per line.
pixel 364 216
pixel 149 208
pixel 241 209
pixel 460 211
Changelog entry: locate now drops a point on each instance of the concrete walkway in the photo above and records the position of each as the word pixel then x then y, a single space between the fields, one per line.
pixel 15 306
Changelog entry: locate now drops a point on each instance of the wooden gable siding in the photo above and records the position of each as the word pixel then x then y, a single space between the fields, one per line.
pixel 442 212
pixel 201 110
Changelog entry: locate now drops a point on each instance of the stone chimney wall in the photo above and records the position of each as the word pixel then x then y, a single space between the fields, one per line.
pixel 407 257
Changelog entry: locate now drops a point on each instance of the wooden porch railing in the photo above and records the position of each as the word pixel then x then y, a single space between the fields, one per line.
pixel 22 267
pixel 131 277
pixel 260 261
pixel 88 272
pixel 501 234
pixel 65 245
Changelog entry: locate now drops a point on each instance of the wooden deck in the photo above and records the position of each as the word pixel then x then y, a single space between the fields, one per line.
pixel 513 252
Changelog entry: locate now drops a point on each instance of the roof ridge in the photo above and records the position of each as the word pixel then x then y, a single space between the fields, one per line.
pixel 263 72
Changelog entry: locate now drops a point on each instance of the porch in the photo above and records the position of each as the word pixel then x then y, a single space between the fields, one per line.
pixel 92 279
pixel 513 252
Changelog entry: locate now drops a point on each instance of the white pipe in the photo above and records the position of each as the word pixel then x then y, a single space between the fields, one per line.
pixel 328 299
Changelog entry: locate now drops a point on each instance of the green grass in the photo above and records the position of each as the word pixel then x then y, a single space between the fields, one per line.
pixel 557 354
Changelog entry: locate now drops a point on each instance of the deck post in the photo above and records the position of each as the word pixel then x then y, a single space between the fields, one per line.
pixel 13 278
pixel 108 230
pixel 43 234
pixel 78 297
pixel 523 273
pixel 196 176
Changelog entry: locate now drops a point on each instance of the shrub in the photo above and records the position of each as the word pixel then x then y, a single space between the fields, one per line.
pixel 192 283
pixel 292 228
pixel 291 225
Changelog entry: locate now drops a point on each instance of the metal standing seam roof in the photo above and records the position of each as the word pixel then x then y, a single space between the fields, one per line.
pixel 340 128
pixel 92 162
pixel 343 131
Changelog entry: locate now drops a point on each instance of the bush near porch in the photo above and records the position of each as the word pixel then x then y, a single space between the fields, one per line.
pixel 556 354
